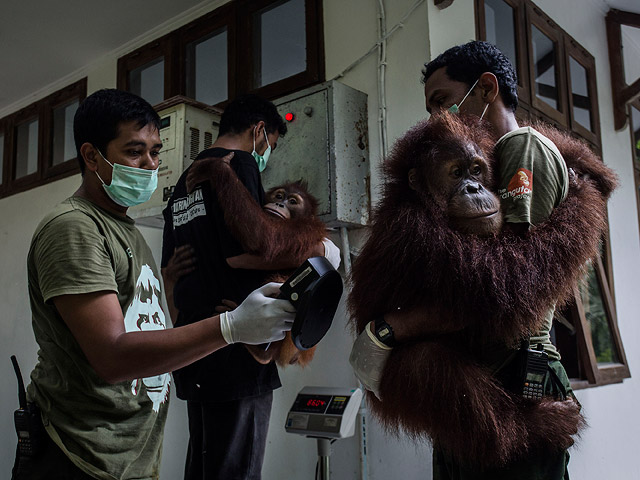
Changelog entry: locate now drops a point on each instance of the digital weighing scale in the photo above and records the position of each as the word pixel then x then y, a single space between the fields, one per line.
pixel 324 413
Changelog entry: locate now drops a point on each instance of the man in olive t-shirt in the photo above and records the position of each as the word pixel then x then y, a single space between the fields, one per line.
pixel 105 442
pixel 101 384
pixel 480 76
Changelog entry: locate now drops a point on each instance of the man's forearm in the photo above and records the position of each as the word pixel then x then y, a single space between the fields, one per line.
pixel 149 353
pixel 256 262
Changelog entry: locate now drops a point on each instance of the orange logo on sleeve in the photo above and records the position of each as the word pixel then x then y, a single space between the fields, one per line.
pixel 521 183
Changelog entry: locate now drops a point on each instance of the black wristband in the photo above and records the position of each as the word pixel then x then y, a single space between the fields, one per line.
pixel 384 332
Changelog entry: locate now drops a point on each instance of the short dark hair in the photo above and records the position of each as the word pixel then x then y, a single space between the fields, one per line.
pixel 465 63
pixel 99 116
pixel 247 110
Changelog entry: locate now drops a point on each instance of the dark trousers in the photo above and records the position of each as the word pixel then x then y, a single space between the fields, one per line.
pixel 49 464
pixel 536 465
pixel 227 440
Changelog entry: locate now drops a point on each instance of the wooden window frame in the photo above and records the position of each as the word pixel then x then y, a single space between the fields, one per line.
pixel 521 42
pixel 588 365
pixel 76 91
pixel 623 94
pixel 537 18
pixel 4 131
pixel 314 43
pixel 586 60
pixel 163 47
pixel 42 110
pixel 531 108
pixel 237 16
pixel 26 115
pixel 223 17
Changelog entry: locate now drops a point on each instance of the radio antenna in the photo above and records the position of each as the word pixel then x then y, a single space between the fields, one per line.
pixel 22 395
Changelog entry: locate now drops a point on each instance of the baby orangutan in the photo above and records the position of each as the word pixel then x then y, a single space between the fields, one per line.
pixel 289 210
pixel 289 202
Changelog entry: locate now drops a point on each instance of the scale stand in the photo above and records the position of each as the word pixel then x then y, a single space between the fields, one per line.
pixel 324 451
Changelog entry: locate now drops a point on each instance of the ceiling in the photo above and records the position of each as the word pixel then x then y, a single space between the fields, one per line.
pixel 42 41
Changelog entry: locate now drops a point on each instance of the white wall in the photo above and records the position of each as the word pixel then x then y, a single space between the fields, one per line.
pixel 607 449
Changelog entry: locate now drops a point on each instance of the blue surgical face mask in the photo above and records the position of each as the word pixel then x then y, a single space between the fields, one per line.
pixel 264 158
pixel 130 186
pixel 455 108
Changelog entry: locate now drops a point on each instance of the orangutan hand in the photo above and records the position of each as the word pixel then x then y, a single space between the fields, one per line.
pixel 227 306
pixel 182 262
pixel 202 170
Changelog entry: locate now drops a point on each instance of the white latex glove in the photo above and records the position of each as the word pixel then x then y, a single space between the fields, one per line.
pixel 368 358
pixel 259 319
pixel 331 253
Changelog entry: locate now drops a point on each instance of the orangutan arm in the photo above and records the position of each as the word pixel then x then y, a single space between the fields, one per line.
pixel 286 243
pixel 421 321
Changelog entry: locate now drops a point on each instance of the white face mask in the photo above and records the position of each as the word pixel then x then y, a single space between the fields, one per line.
pixel 129 186
pixel 264 158
pixel 455 108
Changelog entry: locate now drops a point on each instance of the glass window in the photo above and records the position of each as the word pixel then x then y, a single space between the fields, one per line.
pixel 631 70
pixel 544 65
pixel 63 144
pixel 26 149
pixel 580 94
pixel 280 37
pixel 147 81
pixel 206 64
pixel 635 123
pixel 1 157
pixel 500 26
pixel 596 316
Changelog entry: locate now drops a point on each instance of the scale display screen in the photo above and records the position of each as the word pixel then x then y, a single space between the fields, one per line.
pixel 331 404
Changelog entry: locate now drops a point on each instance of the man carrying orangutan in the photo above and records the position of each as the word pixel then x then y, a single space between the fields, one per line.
pixel 477 79
pixel 228 394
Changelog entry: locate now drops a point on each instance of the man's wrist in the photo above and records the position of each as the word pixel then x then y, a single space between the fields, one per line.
pixel 384 332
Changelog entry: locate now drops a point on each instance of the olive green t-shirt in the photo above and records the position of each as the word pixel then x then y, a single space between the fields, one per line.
pixel 108 431
pixel 532 181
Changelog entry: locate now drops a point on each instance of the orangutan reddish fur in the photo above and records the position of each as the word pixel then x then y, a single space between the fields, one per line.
pixel 257 231
pixel 497 287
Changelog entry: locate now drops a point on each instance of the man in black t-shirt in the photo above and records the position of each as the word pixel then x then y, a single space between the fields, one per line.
pixel 228 393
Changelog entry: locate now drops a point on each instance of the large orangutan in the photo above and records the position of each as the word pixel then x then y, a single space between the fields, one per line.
pixel 434 248
pixel 290 210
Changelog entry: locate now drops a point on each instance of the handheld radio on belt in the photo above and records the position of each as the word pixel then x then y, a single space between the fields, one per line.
pixel 27 420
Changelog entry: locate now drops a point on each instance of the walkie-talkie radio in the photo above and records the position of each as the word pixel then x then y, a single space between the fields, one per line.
pixel 27 420
pixel 536 365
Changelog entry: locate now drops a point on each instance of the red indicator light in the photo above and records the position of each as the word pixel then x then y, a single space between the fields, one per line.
pixel 289 117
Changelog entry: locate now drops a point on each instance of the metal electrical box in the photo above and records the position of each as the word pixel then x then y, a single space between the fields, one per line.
pixel 187 127
pixel 327 144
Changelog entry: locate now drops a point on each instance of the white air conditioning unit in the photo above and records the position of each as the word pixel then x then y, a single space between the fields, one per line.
pixel 187 127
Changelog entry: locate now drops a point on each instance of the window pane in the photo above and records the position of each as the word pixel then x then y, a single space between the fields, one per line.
pixel 148 81
pixel 580 94
pixel 596 316
pixel 544 66
pixel 500 26
pixel 207 69
pixel 63 144
pixel 1 158
pixel 635 123
pixel 27 149
pixel 280 37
